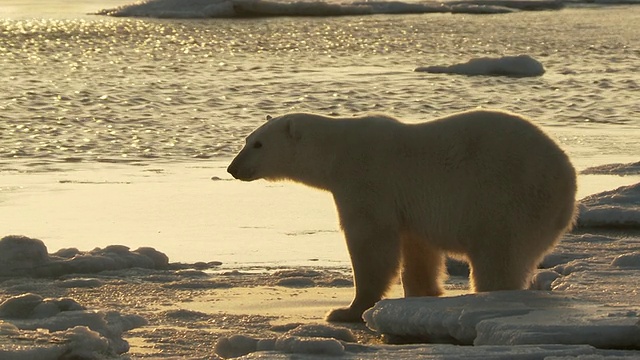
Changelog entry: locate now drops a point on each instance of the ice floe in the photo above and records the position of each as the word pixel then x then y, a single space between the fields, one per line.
pixel 268 8
pixel 512 66
pixel 506 318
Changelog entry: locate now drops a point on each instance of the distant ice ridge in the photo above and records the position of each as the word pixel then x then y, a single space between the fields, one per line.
pixel 512 66
pixel 268 8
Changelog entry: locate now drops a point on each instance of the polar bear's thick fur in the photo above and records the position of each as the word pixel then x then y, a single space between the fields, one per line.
pixel 486 186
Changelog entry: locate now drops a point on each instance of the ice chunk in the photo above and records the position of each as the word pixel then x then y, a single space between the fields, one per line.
pixel 235 345
pixel 312 339
pixel 309 345
pixel 160 260
pixel 543 280
pixel 505 318
pixel 24 256
pixel 19 307
pixel 630 260
pixel 513 66
pixel 614 208
pixel 20 254
pixel 322 331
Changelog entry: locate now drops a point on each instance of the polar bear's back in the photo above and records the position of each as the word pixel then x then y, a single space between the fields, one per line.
pixel 480 143
pixel 478 133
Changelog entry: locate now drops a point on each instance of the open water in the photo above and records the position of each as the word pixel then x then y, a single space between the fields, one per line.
pixel 93 88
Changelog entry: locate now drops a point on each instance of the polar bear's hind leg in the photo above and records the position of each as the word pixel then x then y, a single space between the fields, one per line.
pixel 423 268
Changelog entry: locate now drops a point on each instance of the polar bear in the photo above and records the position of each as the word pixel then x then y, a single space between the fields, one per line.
pixel 486 186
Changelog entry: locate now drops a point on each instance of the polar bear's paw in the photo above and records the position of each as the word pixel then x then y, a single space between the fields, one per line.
pixel 349 315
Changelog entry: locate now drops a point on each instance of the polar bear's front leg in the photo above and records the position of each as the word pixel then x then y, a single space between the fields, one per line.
pixel 375 257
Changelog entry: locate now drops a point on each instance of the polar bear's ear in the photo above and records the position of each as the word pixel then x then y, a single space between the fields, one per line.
pixel 293 130
pixel 269 117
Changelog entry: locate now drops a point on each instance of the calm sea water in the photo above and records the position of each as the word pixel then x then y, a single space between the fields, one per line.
pixel 95 88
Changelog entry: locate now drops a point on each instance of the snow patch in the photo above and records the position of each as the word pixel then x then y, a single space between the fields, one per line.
pixel 512 66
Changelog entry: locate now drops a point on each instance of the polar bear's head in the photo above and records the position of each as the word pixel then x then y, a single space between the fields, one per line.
pixel 269 152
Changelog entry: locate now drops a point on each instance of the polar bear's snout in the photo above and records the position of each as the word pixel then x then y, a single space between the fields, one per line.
pixel 233 170
pixel 241 172
pixel 236 171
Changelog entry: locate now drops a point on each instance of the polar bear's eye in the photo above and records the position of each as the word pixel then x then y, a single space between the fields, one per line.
pixel 257 145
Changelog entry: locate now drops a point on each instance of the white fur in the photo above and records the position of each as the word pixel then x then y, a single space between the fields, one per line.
pixel 487 186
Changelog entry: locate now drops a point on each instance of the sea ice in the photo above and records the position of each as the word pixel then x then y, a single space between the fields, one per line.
pixel 614 208
pixel 513 66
